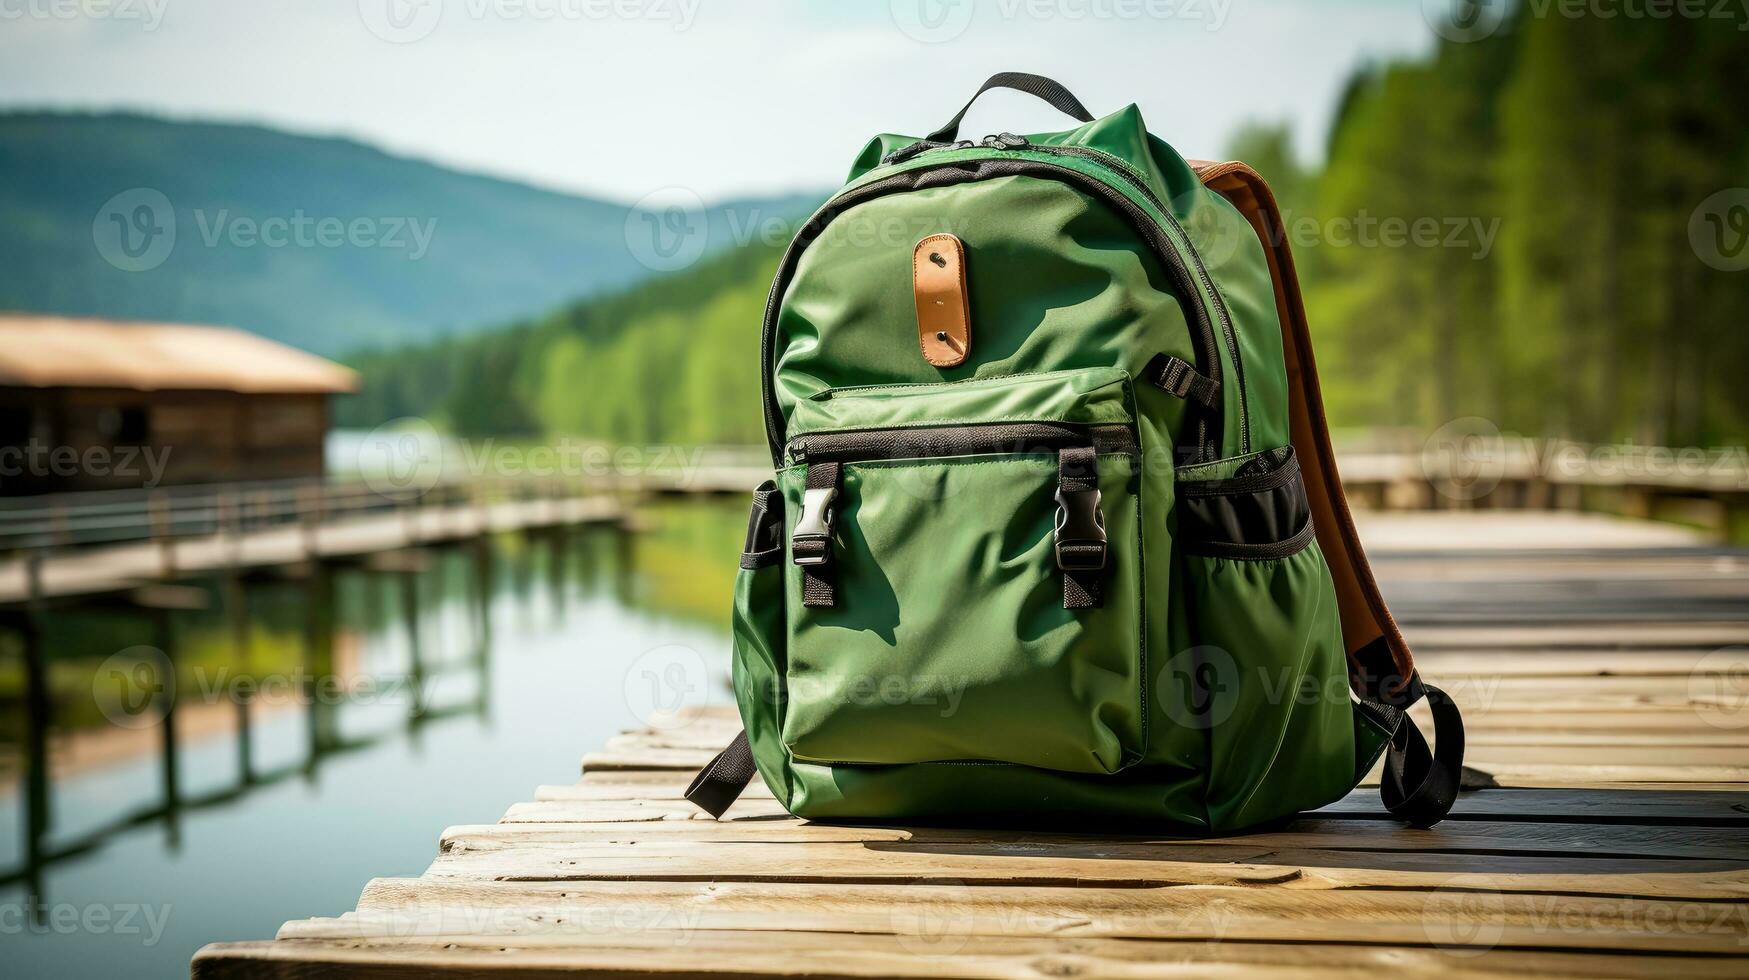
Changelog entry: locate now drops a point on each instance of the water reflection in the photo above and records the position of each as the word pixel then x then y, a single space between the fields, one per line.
pixel 364 656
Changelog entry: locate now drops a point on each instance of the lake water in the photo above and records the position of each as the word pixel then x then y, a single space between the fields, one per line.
pixel 574 638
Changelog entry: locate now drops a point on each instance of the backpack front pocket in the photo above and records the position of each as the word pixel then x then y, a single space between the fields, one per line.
pixel 982 583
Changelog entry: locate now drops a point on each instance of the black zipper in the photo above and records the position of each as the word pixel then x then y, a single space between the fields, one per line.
pixel 925 442
pixel 1208 353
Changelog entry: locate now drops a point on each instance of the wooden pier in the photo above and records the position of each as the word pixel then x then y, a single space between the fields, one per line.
pixel 72 547
pixel 1603 668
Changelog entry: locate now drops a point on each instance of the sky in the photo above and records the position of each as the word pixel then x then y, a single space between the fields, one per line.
pixel 625 98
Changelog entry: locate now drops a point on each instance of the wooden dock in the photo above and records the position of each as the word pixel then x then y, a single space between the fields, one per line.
pixel 71 547
pixel 1603 668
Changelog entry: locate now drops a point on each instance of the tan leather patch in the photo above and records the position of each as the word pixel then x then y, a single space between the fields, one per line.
pixel 944 310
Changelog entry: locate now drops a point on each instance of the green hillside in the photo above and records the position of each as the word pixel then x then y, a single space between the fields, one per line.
pixel 327 244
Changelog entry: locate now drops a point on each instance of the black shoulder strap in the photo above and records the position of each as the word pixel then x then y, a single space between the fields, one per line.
pixel 720 783
pixel 1421 784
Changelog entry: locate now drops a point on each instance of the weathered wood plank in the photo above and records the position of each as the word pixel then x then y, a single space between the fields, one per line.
pixel 1677 808
pixel 778 953
pixel 436 908
pixel 1709 762
pixel 1601 842
pixel 1035 862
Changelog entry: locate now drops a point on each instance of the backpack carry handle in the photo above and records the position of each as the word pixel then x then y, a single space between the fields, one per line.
pixel 1059 97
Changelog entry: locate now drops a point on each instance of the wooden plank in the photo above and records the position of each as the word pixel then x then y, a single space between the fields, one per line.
pixel 1673 807
pixel 670 785
pixel 1447 663
pixel 1718 761
pixel 1531 774
pixel 1678 808
pixel 1509 765
pixel 780 953
pixel 438 908
pixel 1573 635
pixel 1599 842
pixel 1045 862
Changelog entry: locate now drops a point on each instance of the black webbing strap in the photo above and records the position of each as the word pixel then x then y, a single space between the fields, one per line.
pixel 720 783
pixel 1038 86
pixel 1421 784
pixel 1176 376
pixel 1080 533
pixel 811 543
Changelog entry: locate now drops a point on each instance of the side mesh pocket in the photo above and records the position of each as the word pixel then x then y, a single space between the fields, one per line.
pixel 1258 513
pixel 1267 676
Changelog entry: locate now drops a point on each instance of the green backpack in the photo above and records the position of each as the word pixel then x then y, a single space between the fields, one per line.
pixel 1056 530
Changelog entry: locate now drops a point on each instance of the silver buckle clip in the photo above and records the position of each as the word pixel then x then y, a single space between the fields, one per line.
pixel 811 544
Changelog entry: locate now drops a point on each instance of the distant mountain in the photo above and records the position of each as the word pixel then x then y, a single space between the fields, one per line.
pixel 326 244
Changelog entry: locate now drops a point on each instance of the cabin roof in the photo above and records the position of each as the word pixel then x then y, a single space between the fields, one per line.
pixel 39 351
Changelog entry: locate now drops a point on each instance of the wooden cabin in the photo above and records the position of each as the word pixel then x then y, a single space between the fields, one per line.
pixel 91 404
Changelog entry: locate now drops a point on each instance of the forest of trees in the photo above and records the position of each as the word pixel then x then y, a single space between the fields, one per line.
pixel 1572 286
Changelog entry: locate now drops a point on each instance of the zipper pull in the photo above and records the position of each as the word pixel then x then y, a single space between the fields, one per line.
pixel 904 153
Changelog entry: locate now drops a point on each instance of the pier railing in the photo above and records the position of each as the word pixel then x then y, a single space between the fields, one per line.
pixel 107 517
pixel 1382 471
